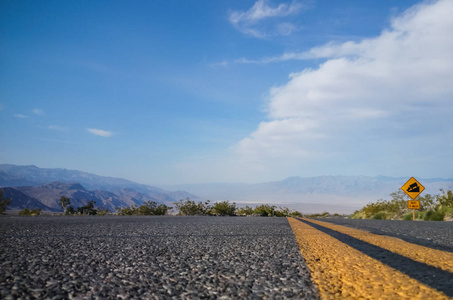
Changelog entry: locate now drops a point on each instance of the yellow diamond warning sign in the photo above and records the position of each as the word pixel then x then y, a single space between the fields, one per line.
pixel 413 188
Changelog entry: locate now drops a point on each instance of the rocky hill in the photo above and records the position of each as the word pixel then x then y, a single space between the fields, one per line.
pixel 47 197
pixel 33 187
pixel 21 200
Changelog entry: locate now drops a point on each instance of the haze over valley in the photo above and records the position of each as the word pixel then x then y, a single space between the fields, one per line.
pixel 33 187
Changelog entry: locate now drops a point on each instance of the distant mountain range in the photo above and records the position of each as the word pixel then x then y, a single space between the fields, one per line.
pixel 13 176
pixel 33 187
pixel 47 196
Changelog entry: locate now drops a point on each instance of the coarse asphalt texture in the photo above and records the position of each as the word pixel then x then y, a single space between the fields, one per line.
pixel 113 257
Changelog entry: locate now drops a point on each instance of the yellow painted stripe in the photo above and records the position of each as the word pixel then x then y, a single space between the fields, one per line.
pixel 433 257
pixel 342 272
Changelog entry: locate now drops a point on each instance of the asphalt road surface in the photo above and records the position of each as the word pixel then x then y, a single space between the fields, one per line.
pixel 433 234
pixel 348 263
pixel 115 257
pixel 56 257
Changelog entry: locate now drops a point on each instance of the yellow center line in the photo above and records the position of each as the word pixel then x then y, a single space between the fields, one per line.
pixel 433 257
pixel 342 272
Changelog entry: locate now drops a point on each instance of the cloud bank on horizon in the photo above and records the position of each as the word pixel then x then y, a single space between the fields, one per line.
pixel 386 89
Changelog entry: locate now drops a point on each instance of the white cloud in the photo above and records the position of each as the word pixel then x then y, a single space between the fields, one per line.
pixel 250 22
pixel 410 23
pixel 348 49
pixel 100 132
pixel 278 138
pixel 37 111
pixel 57 128
pixel 286 29
pixel 21 116
pixel 400 81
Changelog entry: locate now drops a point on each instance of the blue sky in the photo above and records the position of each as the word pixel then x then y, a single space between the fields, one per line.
pixel 171 92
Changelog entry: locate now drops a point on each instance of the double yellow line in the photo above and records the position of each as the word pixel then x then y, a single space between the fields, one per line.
pixel 343 272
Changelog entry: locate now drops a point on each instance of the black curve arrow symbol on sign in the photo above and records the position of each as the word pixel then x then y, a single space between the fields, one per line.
pixel 413 188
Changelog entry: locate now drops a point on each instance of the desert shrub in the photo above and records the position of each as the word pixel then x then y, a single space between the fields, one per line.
pixel 187 207
pixel 295 213
pixel 4 202
pixel 446 211
pixel 30 212
pixel 382 215
pixel 395 208
pixel 66 207
pixel 267 210
pixel 427 202
pixel 162 209
pixel 448 216
pixel 87 209
pixel 419 215
pixel 127 211
pixel 151 208
pixel 358 214
pixel 224 208
pixel 282 212
pixel 190 208
pixel 434 215
pixel 407 217
pixel 245 211
pixel 319 215
pixel 70 211
pixel 446 199
pixel 264 210
pixel 64 203
pixel 102 211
